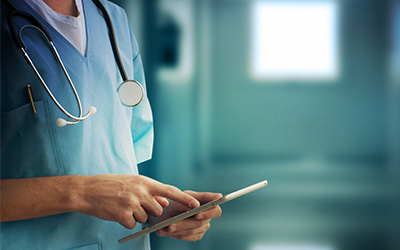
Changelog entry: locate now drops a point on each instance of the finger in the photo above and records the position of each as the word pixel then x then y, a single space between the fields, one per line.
pixel 128 221
pixel 204 197
pixel 188 224
pixel 192 238
pixel 211 213
pixel 142 204
pixel 188 232
pixel 175 194
pixel 162 201
pixel 140 214
pixel 195 237
pixel 184 234
pixel 152 207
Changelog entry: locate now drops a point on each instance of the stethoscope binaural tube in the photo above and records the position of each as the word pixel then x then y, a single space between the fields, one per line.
pixel 131 92
pixel 60 122
pixel 20 45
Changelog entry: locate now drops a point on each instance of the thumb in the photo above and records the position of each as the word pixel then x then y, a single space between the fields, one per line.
pixel 204 197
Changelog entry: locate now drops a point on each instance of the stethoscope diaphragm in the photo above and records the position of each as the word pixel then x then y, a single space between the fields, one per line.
pixel 130 93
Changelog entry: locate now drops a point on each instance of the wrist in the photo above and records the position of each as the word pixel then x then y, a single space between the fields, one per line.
pixel 71 190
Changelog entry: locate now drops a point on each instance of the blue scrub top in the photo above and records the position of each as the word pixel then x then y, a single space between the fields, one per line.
pixel 114 140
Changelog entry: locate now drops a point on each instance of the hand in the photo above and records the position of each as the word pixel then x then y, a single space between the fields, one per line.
pixel 193 228
pixel 127 199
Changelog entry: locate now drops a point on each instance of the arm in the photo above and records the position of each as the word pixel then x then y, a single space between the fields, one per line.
pixel 125 199
pixel 31 198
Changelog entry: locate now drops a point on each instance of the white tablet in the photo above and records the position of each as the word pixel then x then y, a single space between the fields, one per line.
pixel 195 211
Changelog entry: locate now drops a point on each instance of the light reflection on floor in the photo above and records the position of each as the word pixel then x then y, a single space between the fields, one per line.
pixel 307 205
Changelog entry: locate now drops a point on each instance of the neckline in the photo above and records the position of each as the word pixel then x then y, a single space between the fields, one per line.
pixel 64 18
pixel 54 33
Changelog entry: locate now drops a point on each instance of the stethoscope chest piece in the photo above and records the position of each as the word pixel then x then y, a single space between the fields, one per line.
pixel 131 93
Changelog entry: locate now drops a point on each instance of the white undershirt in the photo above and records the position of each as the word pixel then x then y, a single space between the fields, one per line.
pixel 72 28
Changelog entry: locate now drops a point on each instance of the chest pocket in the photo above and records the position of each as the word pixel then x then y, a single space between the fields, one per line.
pixel 28 143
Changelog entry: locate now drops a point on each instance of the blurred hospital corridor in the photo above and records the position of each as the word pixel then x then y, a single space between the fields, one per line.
pixel 303 93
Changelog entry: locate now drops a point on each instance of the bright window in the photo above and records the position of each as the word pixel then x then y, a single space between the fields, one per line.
pixel 295 39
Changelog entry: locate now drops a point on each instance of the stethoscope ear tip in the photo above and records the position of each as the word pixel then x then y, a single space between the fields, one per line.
pixel 92 110
pixel 61 122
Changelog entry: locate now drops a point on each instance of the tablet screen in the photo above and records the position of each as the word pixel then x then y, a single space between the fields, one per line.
pixel 195 211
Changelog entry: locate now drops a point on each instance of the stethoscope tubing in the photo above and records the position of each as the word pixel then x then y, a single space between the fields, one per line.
pixel 55 52
pixel 113 39
pixel 20 44
pixel 36 25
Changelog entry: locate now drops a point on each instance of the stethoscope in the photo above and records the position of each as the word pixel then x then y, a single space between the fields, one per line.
pixel 130 92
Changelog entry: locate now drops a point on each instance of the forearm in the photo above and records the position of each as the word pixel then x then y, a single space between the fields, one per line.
pixel 125 199
pixel 38 197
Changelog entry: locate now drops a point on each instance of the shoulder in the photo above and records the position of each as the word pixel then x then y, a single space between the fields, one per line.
pixel 121 24
pixel 115 11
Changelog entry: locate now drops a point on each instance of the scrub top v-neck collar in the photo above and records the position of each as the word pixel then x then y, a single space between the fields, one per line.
pixel 54 33
pixel 72 27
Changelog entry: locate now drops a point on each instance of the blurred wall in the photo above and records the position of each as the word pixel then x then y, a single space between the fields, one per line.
pixel 341 120
pixel 330 150
pixel 394 117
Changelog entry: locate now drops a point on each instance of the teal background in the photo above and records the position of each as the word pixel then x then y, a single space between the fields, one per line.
pixel 330 150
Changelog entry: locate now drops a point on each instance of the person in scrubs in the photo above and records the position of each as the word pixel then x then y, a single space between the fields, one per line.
pixel 77 186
